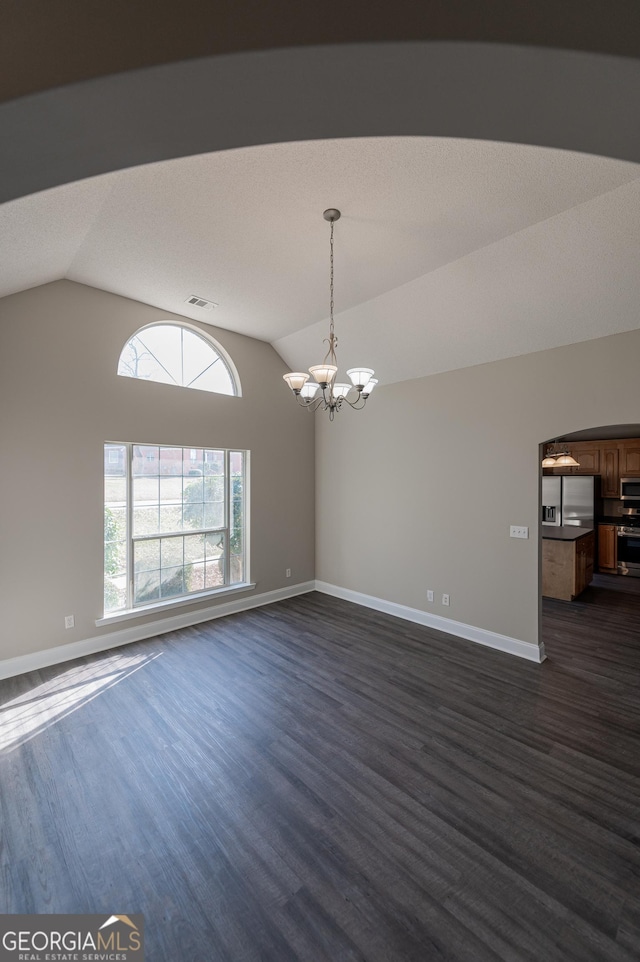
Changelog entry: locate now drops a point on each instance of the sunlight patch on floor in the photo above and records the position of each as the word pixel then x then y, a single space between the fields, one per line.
pixel 29 714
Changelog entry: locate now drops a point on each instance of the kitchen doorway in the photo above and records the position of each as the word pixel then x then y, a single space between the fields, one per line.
pixel 589 542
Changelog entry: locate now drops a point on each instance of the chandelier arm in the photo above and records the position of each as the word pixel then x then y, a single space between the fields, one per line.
pixel 312 405
pixel 356 405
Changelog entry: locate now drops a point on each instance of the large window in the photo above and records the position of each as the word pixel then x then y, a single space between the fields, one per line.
pixel 176 354
pixel 174 522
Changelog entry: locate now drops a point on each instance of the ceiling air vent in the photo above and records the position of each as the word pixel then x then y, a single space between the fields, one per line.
pixel 196 301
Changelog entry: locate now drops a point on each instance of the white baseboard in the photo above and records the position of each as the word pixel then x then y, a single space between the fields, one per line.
pixel 9 667
pixel 491 639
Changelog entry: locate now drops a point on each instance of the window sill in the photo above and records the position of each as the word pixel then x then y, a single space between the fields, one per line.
pixel 160 606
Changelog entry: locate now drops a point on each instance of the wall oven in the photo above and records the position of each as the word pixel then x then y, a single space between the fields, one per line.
pixel 629 551
pixel 630 490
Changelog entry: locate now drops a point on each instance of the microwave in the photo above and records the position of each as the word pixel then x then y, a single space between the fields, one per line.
pixel 630 489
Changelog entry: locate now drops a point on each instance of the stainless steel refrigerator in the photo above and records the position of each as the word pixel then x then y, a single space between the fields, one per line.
pixel 570 500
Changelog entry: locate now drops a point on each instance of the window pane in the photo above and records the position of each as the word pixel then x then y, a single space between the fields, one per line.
pixel 213 515
pixel 163 350
pixel 214 546
pixel 170 461
pixel 215 378
pixel 171 551
pixel 146 490
pixel 236 462
pixel 146 521
pixel 236 573
pixel 214 488
pixel 146 587
pixel 193 463
pixel 171 489
pixel 137 360
pixel 170 517
pixel 172 582
pixel 197 354
pixel 115 490
pixel 193 516
pixel 193 490
pixel 194 547
pixel 115 461
pixel 197 577
pixel 146 459
pixel 115 593
pixel 214 462
pixel 115 557
pixel 214 574
pixel 115 523
pixel 146 555
pixel 236 527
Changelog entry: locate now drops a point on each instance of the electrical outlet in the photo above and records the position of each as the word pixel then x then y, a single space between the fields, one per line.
pixel 69 621
pixel 287 573
pixel 429 595
pixel 517 531
pixel 445 599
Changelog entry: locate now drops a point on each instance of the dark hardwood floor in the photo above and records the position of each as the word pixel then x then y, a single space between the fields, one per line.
pixel 316 781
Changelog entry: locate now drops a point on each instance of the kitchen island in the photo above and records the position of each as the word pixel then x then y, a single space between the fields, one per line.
pixel 567 560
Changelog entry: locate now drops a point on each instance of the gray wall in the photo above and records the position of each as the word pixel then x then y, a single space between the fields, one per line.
pixel 61 399
pixel 415 492
pixel 418 491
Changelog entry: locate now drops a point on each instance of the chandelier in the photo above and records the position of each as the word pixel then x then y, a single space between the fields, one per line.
pixel 323 392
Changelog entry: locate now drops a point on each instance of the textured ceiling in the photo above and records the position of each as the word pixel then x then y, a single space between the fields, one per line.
pixel 448 253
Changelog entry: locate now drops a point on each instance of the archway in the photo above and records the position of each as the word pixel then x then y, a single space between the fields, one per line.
pixel 551 98
pixel 582 555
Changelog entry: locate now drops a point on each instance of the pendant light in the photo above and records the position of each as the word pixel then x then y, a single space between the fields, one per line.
pixel 559 459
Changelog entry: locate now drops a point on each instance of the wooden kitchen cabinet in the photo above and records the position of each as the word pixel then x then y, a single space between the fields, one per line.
pixel 588 454
pixel 585 557
pixel 610 470
pixel 612 460
pixel 629 459
pixel 607 547
pixel 567 566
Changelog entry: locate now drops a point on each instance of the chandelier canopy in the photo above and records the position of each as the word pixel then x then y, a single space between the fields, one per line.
pixel 324 392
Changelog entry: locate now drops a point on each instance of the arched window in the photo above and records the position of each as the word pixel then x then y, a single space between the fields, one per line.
pixel 177 354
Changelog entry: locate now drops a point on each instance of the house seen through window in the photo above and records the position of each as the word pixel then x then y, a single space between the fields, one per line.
pixel 174 522
pixel 176 354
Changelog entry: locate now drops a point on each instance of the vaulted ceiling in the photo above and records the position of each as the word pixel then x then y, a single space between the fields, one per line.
pixel 449 252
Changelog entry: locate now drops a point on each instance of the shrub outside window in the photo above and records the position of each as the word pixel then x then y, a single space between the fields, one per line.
pixel 174 522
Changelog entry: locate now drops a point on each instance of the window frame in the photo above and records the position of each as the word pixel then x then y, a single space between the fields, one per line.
pixel 133 609
pixel 210 341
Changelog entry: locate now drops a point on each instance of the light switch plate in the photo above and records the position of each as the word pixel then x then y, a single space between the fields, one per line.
pixel 517 531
